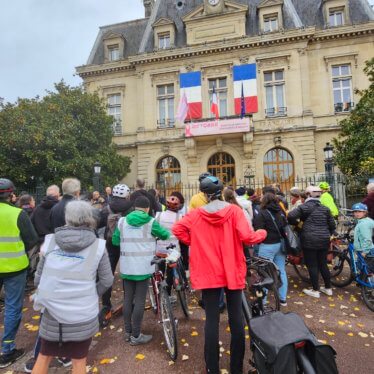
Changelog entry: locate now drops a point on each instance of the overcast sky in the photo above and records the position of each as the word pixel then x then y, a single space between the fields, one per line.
pixel 42 41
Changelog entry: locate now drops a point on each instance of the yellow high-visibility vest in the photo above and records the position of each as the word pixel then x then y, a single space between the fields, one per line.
pixel 13 256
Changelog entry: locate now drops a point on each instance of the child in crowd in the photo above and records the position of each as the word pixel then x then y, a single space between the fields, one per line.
pixel 136 234
pixel 363 236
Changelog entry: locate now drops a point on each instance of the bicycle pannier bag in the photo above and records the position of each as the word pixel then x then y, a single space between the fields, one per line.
pixel 273 338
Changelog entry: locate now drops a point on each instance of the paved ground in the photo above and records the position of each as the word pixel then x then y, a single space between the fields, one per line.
pixel 342 320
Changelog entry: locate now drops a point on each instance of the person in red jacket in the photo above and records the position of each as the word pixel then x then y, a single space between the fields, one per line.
pixel 216 233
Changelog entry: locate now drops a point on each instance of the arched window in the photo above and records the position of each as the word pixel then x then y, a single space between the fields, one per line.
pixel 222 165
pixel 279 168
pixel 168 171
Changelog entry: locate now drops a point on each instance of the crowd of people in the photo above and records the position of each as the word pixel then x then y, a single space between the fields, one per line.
pixel 78 241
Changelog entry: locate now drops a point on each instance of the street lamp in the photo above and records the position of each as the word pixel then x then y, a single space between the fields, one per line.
pixel 96 176
pixel 328 150
pixel 248 176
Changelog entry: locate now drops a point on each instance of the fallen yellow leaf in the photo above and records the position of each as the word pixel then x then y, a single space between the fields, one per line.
pixel 185 357
pixel 106 361
pixel 330 333
pixel 363 334
pixel 356 309
pixel 308 316
pixel 140 356
pixel 228 329
pixel 322 341
pixel 331 305
pixel 350 334
pixel 36 317
pixel 97 334
pixel 183 340
pixel 360 325
pixel 341 323
pixel 171 363
pixel 194 333
pixel 95 370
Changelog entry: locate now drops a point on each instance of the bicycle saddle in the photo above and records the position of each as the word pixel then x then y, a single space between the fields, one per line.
pixel 265 283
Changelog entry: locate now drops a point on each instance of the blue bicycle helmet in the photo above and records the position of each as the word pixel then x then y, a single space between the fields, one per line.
pixel 360 207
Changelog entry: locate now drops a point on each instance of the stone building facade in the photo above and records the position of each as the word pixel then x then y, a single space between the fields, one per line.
pixel 309 57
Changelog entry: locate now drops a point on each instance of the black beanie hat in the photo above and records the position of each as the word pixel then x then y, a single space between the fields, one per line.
pixel 142 202
pixel 179 196
pixel 240 191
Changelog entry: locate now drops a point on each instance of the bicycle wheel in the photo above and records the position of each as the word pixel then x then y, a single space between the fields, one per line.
pixel 368 292
pixel 168 323
pixel 342 271
pixel 302 272
pixel 257 274
pixel 182 291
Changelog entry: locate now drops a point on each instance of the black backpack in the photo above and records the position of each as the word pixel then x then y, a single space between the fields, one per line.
pixel 273 338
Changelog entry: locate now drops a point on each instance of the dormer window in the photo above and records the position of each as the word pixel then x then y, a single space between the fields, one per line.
pixel 336 17
pixel 271 23
pixel 113 52
pixel 164 40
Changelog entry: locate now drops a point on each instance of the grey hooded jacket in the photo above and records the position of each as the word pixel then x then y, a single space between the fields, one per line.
pixel 74 239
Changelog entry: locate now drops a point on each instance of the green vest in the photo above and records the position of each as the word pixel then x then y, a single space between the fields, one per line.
pixel 12 249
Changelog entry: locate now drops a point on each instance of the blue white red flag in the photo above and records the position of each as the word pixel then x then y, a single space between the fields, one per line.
pixel 214 106
pixel 190 83
pixel 245 85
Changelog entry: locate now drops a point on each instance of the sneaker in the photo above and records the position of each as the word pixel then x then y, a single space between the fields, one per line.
pixel 283 302
pixel 10 358
pixel 65 362
pixel 312 293
pixel 326 291
pixel 141 339
pixel 105 315
pixel 127 336
pixel 29 365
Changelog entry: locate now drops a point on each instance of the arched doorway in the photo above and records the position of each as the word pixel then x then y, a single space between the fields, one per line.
pixel 168 175
pixel 279 168
pixel 222 165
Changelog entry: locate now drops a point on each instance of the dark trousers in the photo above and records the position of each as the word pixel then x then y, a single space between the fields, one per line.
pixel 211 299
pixel 114 254
pixel 316 262
pixel 133 305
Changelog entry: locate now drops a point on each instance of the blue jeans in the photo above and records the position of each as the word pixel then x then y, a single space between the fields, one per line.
pixel 14 288
pixel 273 252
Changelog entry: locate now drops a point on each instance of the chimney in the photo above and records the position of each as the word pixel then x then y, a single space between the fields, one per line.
pixel 148 6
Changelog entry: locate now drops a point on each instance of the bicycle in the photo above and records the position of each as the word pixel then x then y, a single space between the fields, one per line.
pixel 160 299
pixel 352 262
pixel 262 283
pixel 256 309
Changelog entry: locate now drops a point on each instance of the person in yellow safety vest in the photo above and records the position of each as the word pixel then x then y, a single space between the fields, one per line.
pixel 198 200
pixel 327 200
pixel 17 236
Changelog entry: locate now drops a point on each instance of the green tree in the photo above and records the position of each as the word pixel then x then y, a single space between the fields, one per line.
pixel 355 144
pixel 58 136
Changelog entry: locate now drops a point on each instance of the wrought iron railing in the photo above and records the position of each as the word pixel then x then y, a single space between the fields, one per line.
pixel 343 107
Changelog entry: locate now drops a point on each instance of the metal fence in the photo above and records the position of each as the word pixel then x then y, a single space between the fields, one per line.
pixel 345 191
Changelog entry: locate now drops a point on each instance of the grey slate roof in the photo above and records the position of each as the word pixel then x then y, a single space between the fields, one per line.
pixel 296 13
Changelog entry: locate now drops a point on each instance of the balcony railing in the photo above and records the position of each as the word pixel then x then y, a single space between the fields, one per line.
pixel 343 107
pixel 276 112
pixel 117 128
pixel 165 123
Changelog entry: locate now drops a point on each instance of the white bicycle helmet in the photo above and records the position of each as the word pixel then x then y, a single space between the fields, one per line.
pixel 121 190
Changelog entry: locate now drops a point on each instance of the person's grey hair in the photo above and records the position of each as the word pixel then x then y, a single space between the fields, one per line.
pixel 140 183
pixel 53 190
pixel 71 186
pixel 80 213
pixel 370 187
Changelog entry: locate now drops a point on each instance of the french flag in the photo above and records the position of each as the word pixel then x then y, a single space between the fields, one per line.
pixel 245 84
pixel 190 83
pixel 214 106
